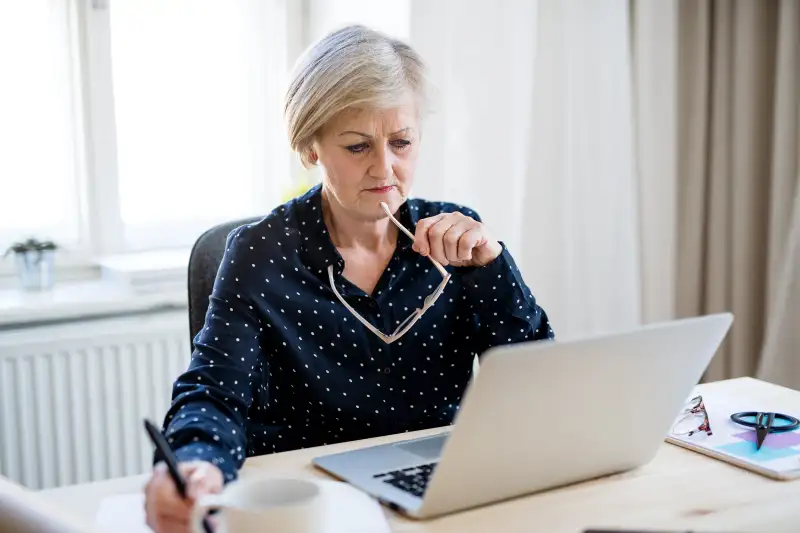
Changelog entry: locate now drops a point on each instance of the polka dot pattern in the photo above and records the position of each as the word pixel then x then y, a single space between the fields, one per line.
pixel 280 364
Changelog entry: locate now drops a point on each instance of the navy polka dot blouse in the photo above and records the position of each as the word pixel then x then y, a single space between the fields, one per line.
pixel 281 364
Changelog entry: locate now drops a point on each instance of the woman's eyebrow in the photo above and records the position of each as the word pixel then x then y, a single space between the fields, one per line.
pixel 370 136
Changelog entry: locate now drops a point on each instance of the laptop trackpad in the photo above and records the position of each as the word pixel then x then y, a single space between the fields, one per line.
pixel 430 448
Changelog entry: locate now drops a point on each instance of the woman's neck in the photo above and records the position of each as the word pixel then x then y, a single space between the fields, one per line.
pixel 350 233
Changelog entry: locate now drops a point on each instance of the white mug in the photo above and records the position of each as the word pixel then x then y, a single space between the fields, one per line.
pixel 261 504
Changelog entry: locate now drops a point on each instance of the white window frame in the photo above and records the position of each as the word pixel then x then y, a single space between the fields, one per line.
pixel 100 214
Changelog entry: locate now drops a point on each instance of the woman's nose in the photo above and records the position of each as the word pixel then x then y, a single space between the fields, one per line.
pixel 382 166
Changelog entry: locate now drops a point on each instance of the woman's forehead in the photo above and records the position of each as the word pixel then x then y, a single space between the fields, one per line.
pixel 374 122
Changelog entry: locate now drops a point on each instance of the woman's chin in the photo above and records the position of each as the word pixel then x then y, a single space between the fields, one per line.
pixel 371 205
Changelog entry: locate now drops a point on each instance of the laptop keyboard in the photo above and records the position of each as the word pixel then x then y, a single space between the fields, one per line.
pixel 413 480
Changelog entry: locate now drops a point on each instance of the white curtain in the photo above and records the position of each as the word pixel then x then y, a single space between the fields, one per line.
pixel 533 128
pixel 655 71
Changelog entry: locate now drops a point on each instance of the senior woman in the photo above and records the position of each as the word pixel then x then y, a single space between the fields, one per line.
pixel 322 326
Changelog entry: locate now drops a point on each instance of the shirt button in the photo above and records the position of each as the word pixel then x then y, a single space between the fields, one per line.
pixel 386 370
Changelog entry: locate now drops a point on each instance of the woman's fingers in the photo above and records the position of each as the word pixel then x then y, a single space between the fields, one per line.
pixel 167 524
pixel 421 244
pixel 167 502
pixel 166 510
pixel 453 238
pixel 468 241
pixel 436 235
pixel 202 478
pixel 449 238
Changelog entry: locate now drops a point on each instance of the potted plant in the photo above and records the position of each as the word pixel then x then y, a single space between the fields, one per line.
pixel 34 260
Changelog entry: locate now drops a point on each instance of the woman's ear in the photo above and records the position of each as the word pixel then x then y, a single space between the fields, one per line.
pixel 311 152
pixel 308 156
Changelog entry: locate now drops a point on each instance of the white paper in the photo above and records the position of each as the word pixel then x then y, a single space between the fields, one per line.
pixel 123 513
pixel 730 441
pixel 347 510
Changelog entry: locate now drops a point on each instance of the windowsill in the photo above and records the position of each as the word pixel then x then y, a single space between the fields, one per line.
pixel 122 285
pixel 80 301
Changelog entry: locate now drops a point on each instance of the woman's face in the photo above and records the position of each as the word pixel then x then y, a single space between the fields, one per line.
pixel 368 157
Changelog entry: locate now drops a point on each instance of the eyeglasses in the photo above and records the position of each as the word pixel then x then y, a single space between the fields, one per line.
pixel 406 325
pixel 693 419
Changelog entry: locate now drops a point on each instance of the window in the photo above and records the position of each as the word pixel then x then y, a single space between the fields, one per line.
pixel 182 104
pixel 193 115
pixel 38 166
pixel 133 125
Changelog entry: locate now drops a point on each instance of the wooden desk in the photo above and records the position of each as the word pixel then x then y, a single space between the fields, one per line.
pixel 678 489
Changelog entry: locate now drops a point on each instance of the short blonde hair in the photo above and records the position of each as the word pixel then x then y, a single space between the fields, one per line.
pixel 354 67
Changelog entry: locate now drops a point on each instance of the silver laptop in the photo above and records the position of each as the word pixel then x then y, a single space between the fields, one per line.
pixel 541 415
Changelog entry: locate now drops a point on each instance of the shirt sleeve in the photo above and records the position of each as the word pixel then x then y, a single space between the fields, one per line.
pixel 504 306
pixel 505 309
pixel 210 400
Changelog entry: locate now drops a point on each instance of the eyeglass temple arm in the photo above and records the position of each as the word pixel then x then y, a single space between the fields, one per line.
pixel 397 223
pixel 408 319
pixel 386 338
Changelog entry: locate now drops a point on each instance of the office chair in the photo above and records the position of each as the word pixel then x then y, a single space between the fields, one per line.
pixel 204 260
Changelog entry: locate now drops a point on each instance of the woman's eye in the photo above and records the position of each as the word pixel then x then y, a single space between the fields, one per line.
pixel 400 143
pixel 358 148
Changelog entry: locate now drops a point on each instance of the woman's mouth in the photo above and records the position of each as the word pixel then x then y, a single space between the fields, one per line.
pixel 381 190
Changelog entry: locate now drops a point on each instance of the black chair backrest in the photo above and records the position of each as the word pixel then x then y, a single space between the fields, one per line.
pixel 204 263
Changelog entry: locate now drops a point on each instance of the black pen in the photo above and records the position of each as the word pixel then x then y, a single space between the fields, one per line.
pixel 172 463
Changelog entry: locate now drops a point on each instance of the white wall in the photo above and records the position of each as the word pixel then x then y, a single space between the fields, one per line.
pixel 391 17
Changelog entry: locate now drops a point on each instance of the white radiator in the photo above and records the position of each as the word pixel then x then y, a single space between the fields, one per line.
pixel 73 397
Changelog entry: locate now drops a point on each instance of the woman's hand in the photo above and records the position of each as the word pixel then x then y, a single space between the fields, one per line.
pixel 166 511
pixel 455 239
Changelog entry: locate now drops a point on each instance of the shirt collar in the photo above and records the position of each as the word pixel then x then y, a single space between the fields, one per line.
pixel 317 250
pixel 409 214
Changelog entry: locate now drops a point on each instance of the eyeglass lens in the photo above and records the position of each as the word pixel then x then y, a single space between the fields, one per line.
pixel 694 419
